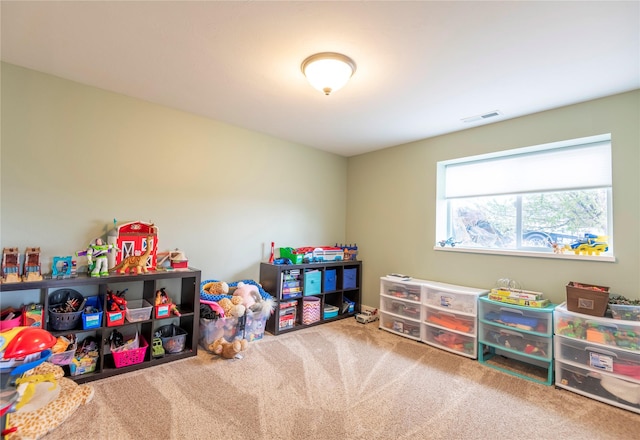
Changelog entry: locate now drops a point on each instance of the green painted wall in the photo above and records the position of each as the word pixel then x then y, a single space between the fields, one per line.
pixel 75 157
pixel 391 203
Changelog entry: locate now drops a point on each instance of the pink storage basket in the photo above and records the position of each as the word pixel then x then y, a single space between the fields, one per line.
pixel 131 357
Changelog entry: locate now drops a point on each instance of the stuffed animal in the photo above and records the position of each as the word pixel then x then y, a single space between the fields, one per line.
pixel 54 399
pixel 232 307
pixel 216 288
pixel 249 294
pixel 228 350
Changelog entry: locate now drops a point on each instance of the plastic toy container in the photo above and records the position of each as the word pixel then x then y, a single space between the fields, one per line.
pixel 173 338
pixel 92 320
pixel 330 311
pixel 163 311
pixel 138 310
pixel 625 312
pixel 115 318
pixel 64 358
pixel 64 321
pixel 6 324
pixel 131 357
pixel 254 326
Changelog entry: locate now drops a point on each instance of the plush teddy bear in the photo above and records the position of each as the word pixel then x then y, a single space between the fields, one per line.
pixel 233 307
pixel 216 288
pixel 55 398
pixel 228 350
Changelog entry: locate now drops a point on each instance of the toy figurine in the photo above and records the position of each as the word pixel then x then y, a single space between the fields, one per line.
pixel 162 298
pixel 97 257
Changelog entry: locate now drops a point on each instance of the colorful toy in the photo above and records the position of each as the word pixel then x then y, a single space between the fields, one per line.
pixel 97 257
pixel 10 265
pixel 590 244
pixel 116 301
pixel 133 239
pixel 132 262
pixel 61 267
pixel 449 241
pixel 162 298
pixel 228 350
pixel 32 270
pixel 157 350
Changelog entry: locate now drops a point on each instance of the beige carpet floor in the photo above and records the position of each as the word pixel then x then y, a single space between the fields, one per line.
pixel 342 380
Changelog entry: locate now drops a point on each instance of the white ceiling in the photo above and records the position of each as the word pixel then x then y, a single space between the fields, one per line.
pixel 421 66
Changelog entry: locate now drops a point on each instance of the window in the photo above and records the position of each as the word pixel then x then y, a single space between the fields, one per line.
pixel 535 199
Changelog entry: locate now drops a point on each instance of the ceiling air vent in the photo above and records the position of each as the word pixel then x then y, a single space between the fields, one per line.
pixel 488 115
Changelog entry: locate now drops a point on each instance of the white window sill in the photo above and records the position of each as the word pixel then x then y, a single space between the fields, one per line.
pixel 606 258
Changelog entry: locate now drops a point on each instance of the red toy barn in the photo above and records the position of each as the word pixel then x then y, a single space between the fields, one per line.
pixel 131 239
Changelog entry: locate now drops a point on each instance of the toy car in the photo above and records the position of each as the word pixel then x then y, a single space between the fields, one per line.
pixel 156 347
pixel 367 316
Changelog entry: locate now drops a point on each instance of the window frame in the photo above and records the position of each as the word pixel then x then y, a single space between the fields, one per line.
pixel 443 204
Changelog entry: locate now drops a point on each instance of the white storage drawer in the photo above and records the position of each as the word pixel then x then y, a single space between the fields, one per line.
pixel 536 346
pixel 452 321
pixel 400 290
pixel 451 341
pixel 452 299
pixel 401 326
pixel 598 357
pixel 601 386
pixel 408 309
pixel 606 331
pixel 520 318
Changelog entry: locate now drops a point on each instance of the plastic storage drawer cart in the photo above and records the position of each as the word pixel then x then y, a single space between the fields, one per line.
pixel 598 357
pixel 439 314
pixel 522 334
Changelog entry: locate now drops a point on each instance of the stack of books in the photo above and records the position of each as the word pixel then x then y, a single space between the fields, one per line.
pixel 518 297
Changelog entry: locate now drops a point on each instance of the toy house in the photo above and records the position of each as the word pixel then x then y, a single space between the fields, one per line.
pixel 131 239
pixel 32 269
pixel 10 265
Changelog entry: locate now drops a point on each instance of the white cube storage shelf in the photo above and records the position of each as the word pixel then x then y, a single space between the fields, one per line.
pixel 439 314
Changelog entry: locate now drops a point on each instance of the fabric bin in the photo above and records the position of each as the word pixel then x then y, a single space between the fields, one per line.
pixel 587 298
pixel 329 280
pixel 310 309
pixel 349 280
pixel 312 279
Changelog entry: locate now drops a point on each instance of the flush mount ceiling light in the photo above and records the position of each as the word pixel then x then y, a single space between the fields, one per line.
pixel 328 71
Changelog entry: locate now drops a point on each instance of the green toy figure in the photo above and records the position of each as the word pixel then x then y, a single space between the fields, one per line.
pixel 97 257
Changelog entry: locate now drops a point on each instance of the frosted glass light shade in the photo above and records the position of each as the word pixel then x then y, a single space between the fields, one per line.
pixel 328 71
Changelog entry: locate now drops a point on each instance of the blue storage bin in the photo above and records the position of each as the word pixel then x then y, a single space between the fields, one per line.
pixel 349 280
pixel 92 320
pixel 329 280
